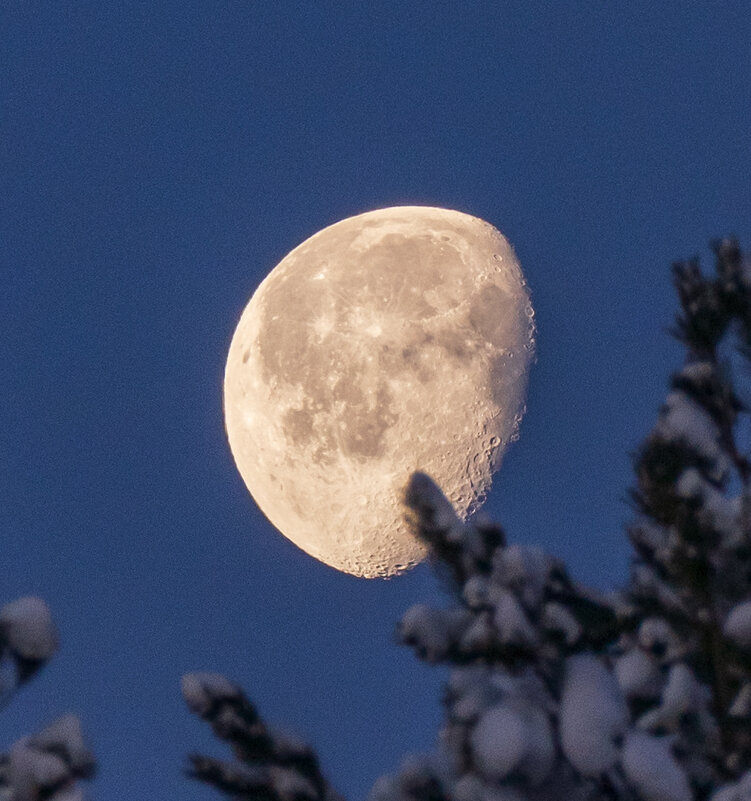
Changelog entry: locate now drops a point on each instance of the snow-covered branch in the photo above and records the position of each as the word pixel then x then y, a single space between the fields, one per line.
pixel 268 766
pixel 27 640
pixel 49 764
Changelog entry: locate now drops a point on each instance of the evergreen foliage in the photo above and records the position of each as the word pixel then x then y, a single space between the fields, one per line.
pixel 556 691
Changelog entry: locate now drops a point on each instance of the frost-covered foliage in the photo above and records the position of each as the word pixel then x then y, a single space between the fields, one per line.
pixel 534 709
pixel 560 693
pixel 689 602
pixel 27 641
pixel 267 765
pixel 49 764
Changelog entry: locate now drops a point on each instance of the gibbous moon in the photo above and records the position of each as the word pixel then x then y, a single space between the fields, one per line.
pixel 393 341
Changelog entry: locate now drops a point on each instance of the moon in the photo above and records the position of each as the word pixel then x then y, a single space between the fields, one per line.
pixel 393 341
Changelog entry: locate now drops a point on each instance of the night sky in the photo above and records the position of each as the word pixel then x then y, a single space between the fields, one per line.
pixel 157 159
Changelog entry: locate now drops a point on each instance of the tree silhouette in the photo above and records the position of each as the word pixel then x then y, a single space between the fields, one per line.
pixel 557 691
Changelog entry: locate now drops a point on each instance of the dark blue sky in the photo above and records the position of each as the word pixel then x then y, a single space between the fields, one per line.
pixel 157 159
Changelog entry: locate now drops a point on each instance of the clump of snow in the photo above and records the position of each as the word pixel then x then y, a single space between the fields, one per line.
pixel 65 736
pixel 288 744
pixel 741 706
pixel 514 737
pixel 683 419
pixel 738 625
pixel 512 623
pixel 721 510
pixel 682 694
pixel 470 788
pixel 26 626
pixel 471 538
pixel 555 617
pixel 593 715
pixel 650 533
pixel 48 764
pixel 419 774
pixel 467 679
pixel 499 742
pixel 651 768
pixel 647 580
pixel 657 636
pixel 525 570
pixel 737 791
pixel 29 770
pixel 201 690
pixel 480 635
pixel 291 785
pixel 691 484
pixel 475 592
pixel 417 778
pixel 384 789
pixel 469 693
pixel 433 632
pixel 698 372
pixel 74 793
pixel 638 674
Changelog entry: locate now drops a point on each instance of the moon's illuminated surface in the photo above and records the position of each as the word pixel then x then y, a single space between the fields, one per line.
pixel 389 342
